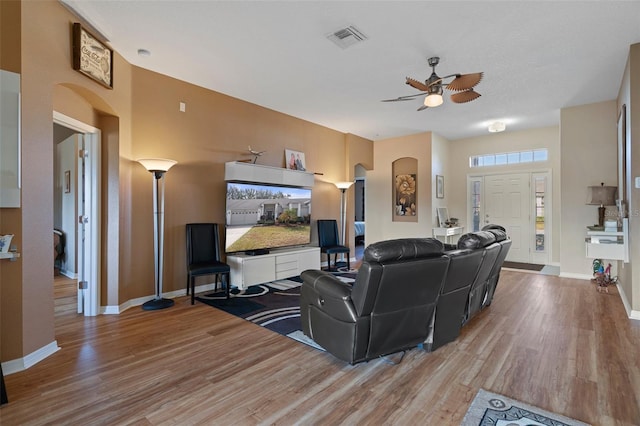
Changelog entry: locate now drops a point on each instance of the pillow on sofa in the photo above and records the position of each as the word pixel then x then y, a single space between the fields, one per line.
pixel 476 240
pixel 493 226
pixel 403 248
pixel 499 234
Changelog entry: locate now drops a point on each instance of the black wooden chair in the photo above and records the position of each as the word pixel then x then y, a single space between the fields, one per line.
pixel 203 256
pixel 329 242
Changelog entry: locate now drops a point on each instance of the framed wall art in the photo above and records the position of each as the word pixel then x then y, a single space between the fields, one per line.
pixel 67 181
pixel 405 195
pixel 439 186
pixel 91 57
pixel 623 187
pixel 294 160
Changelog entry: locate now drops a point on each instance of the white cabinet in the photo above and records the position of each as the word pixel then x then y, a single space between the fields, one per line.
pixel 610 245
pixel 249 270
pixel 448 233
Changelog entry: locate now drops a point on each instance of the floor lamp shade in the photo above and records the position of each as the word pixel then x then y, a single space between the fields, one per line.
pixel 601 196
pixel 158 166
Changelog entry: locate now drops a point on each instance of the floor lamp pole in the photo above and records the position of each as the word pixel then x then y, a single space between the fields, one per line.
pixel 158 171
pixel 343 217
pixel 343 186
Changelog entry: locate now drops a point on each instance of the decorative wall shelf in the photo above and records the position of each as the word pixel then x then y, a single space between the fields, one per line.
pixel 11 255
pixel 611 245
pixel 248 172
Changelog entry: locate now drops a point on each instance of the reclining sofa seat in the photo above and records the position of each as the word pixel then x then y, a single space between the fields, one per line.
pixel 484 241
pixel 464 264
pixel 389 307
pixel 505 244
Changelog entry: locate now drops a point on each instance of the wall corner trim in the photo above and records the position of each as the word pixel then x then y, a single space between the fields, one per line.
pixel 634 315
pixel 30 360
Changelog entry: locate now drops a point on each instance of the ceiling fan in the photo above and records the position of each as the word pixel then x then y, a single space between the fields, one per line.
pixel 462 84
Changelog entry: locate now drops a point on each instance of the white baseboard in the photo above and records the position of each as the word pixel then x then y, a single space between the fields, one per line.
pixel 69 274
pixel 20 364
pixel 576 276
pixel 118 309
pixel 634 315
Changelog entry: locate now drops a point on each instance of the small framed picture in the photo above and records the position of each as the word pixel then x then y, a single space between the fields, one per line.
pixel 439 186
pixel 294 160
pixel 67 181
pixel 91 57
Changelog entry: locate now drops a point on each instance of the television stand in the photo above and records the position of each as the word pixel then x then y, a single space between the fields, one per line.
pixel 257 252
pixel 248 270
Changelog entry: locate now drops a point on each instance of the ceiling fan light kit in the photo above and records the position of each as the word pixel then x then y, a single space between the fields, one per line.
pixel 433 87
pixel 497 126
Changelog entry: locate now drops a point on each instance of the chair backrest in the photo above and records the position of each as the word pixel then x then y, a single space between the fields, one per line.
pixel 398 286
pixel 328 233
pixel 202 243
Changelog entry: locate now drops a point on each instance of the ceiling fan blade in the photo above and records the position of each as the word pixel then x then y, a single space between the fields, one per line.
pixel 464 96
pixel 404 98
pixel 422 108
pixel 418 85
pixel 465 81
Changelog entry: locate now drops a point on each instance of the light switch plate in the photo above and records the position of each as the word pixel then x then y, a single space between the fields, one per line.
pixel 638 182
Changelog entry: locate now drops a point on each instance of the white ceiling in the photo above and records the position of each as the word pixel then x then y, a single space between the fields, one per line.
pixel 537 56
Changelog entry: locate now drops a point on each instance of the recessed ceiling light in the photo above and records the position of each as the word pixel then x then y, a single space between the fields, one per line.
pixel 144 52
pixel 497 126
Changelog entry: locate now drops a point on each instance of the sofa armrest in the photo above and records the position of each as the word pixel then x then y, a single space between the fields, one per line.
pixel 326 292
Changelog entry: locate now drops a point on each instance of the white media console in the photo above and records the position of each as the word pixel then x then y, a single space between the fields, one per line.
pixel 247 270
pixel 278 264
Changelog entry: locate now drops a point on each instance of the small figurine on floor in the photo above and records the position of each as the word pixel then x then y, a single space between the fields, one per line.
pixel 602 276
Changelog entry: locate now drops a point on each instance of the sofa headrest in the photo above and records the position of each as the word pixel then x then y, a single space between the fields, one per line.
pixel 493 226
pixel 476 240
pixel 499 234
pixel 402 249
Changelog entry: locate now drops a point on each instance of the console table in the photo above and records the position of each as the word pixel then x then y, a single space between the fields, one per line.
pixel 448 233
pixel 612 245
pixel 279 264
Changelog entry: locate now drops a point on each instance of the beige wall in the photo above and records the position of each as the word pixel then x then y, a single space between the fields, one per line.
pixel 441 165
pixel 138 118
pixel 378 203
pixel 589 157
pixel 629 95
pixel 214 129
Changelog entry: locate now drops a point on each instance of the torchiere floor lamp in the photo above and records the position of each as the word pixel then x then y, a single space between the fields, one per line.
pixel 343 186
pixel 158 167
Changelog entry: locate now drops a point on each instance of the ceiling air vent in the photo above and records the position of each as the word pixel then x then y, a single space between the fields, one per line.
pixel 347 37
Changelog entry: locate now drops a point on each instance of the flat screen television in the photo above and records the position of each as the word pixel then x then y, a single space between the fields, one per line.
pixel 260 217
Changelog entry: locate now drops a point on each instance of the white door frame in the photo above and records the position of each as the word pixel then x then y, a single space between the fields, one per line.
pixel 89 219
pixel 548 204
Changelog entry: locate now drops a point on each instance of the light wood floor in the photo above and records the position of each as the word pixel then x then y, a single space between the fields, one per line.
pixel 551 342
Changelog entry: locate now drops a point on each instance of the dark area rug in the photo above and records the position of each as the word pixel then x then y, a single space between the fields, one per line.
pixel 521 265
pixel 274 305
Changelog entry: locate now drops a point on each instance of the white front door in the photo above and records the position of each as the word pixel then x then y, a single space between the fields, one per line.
pixel 508 203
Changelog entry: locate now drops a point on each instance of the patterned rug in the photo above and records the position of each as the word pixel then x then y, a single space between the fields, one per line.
pixel 491 409
pixel 274 305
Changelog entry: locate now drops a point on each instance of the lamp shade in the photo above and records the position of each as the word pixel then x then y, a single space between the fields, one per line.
pixel 602 195
pixel 157 164
pixel 433 100
pixel 343 185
